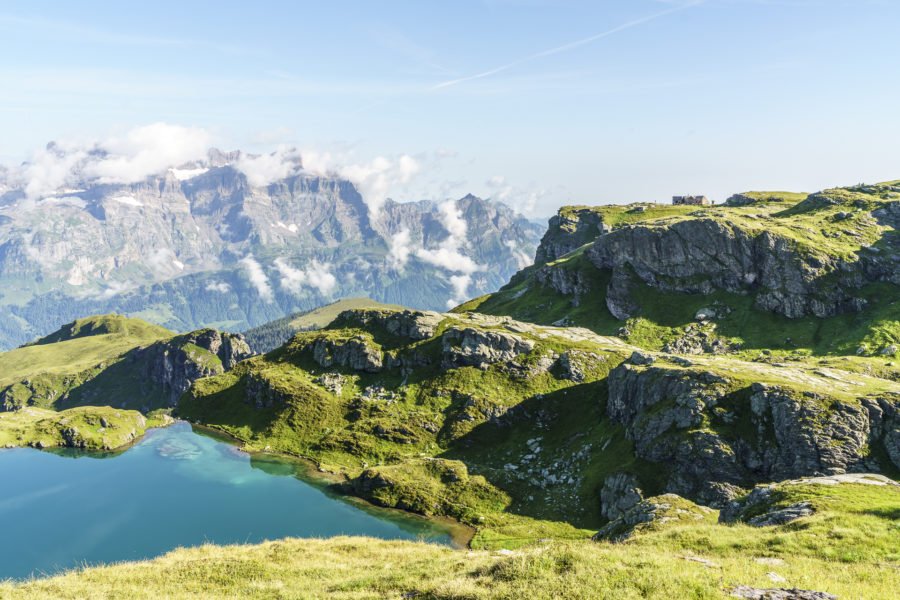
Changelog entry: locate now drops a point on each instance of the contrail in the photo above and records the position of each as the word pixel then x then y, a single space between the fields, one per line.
pixel 570 45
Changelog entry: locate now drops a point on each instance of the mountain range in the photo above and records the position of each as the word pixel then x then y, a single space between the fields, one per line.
pixel 707 395
pixel 210 243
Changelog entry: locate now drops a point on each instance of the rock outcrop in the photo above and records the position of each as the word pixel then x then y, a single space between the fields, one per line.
pixel 687 420
pixel 470 347
pixel 411 324
pixel 703 254
pixel 571 228
pixel 175 364
pixel 356 353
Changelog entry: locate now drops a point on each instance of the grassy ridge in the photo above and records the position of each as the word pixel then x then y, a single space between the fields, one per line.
pixel 88 427
pixel 834 224
pixel 78 346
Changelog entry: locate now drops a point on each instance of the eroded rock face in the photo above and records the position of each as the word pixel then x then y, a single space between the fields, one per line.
pixel 684 419
pixel 355 353
pixel 412 324
pixel 567 231
pixel 469 347
pixel 703 254
pixel 174 364
pixel 751 593
pixel 620 492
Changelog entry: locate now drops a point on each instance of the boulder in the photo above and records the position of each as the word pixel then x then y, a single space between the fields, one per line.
pixel 469 347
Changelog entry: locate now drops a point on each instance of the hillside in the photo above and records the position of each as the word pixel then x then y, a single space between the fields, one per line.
pixel 85 427
pixel 208 246
pixel 113 360
pixel 270 335
pixel 525 431
pixel 612 419
pixel 769 271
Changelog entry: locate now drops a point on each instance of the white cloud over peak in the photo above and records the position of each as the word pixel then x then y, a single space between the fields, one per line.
pixel 265 169
pixel 448 254
pixel 147 150
pixel 373 179
pixel 129 158
pixel 315 275
pixel 258 278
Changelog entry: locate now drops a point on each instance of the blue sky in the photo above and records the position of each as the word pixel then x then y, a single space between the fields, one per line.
pixel 540 103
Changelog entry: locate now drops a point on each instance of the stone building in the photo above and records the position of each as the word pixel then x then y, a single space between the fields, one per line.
pixel 690 200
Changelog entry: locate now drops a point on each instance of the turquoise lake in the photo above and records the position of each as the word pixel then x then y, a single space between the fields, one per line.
pixel 176 487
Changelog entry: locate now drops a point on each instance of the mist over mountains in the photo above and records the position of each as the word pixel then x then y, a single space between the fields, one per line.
pixel 157 225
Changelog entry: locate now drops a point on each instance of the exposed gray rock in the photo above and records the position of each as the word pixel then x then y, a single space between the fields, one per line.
pixel 567 231
pixel 795 434
pixel 469 347
pixel 174 365
pixel 574 364
pixel 620 493
pixel 703 254
pixel 641 358
pixel 412 324
pixel 783 515
pixel 355 353
pixel 752 593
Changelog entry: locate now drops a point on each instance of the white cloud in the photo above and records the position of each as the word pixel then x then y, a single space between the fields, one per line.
pixel 265 169
pixel 185 174
pixel 460 285
pixel 315 275
pixel 373 179
pixel 49 169
pixel 451 219
pixel 523 200
pixel 401 247
pixel 522 258
pixel 148 150
pixel 115 288
pixel 218 286
pixel 448 258
pixel 258 278
pixel 143 151
pixel 163 259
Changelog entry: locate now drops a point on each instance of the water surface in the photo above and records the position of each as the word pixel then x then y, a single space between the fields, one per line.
pixel 176 487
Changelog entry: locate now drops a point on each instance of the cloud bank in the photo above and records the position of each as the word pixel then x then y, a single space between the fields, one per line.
pixel 141 152
pixel 316 275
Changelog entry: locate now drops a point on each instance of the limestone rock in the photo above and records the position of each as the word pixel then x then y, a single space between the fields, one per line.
pixel 412 324
pixel 355 353
pixel 752 593
pixel 620 493
pixel 470 347
pixel 174 364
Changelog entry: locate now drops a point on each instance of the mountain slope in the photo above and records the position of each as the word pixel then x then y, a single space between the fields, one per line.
pixel 498 423
pixel 208 246
pixel 775 271
pixel 113 360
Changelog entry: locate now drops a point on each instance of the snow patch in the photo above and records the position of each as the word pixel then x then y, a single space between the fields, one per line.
pixel 185 174
pixel 129 200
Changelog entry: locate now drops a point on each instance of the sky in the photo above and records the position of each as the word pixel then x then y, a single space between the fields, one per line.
pixel 536 103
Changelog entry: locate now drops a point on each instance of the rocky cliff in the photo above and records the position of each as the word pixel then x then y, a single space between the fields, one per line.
pixel 667 276
pixel 206 246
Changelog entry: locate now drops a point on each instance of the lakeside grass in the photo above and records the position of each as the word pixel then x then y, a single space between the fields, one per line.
pixel 88 427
